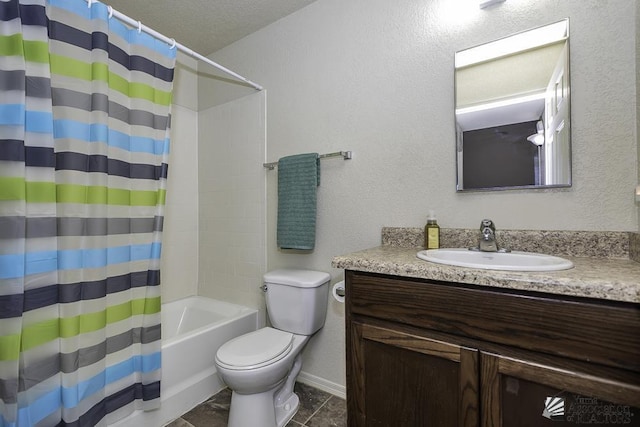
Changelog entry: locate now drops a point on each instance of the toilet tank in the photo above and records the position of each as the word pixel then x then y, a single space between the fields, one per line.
pixel 297 300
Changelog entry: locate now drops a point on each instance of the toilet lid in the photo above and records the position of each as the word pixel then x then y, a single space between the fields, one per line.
pixel 255 348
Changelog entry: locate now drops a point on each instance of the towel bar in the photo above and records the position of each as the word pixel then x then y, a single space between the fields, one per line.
pixel 346 155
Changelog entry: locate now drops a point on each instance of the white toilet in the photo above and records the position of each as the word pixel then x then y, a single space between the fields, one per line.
pixel 261 367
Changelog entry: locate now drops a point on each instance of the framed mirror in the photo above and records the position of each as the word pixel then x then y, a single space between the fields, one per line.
pixel 512 112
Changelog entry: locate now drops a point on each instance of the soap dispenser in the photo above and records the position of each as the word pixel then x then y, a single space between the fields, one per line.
pixel 432 232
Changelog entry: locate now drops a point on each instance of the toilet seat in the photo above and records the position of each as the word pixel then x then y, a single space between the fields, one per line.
pixel 255 349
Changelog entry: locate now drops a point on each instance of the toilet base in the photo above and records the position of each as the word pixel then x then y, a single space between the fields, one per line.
pixel 271 408
pixel 257 410
pixel 285 400
pixel 285 413
pixel 252 410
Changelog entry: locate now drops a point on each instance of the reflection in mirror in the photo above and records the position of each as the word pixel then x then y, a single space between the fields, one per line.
pixel 512 111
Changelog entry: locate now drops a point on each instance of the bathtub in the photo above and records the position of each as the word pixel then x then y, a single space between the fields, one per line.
pixel 192 331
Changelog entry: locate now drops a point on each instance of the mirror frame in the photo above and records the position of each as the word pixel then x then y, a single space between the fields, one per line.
pixel 568 181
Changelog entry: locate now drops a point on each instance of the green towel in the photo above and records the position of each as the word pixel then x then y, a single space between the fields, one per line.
pixel 298 179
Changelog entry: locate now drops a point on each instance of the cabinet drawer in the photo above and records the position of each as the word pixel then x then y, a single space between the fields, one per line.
pixel 587 330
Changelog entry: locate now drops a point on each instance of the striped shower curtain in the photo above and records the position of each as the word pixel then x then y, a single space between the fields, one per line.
pixel 84 139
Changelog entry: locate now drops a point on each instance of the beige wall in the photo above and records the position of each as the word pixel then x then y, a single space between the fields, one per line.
pixel 376 77
pixel 179 263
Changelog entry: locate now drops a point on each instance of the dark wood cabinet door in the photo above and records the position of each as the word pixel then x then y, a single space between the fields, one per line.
pixel 519 393
pixel 403 380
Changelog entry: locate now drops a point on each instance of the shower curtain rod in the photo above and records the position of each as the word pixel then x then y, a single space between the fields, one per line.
pixel 173 43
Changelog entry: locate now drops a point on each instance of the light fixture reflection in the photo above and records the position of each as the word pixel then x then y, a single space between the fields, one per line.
pixel 509 45
pixel 538 137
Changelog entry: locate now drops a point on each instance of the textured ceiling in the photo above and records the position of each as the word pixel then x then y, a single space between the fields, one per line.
pixel 207 25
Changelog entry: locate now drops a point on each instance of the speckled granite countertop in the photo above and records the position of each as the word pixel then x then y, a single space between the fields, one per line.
pixel 616 279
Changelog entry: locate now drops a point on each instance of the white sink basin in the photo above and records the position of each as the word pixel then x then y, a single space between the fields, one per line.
pixel 512 261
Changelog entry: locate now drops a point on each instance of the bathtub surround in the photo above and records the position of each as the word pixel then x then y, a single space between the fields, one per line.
pixel 215 216
pixel 179 262
pixel 231 211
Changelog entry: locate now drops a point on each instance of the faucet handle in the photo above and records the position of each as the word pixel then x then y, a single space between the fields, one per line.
pixel 487 223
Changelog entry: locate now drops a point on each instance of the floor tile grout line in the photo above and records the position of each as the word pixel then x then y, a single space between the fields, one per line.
pixel 316 411
pixel 180 418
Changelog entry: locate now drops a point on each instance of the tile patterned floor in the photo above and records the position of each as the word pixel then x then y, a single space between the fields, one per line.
pixel 317 409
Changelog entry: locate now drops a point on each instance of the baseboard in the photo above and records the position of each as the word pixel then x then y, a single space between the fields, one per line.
pixel 322 384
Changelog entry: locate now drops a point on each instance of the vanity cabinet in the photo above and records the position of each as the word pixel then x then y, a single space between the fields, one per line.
pixel 428 353
pixel 405 378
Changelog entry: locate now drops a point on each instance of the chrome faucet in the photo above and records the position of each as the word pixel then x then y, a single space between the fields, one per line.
pixel 487 240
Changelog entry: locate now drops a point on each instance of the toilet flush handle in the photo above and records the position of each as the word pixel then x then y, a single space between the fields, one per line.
pixel 264 287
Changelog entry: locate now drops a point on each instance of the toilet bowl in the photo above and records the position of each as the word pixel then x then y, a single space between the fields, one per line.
pixel 260 390
pixel 261 367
